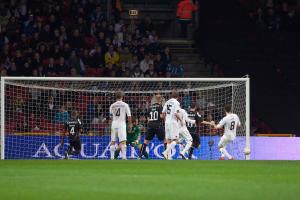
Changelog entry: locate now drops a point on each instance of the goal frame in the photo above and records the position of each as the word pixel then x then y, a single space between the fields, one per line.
pixel 4 78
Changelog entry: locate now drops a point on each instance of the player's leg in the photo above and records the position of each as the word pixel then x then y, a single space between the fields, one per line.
pixel 181 143
pixel 173 139
pixel 76 147
pixel 188 139
pixel 222 147
pixel 168 139
pixel 161 136
pixel 112 147
pixel 122 138
pixel 69 150
pixel 195 144
pixel 149 136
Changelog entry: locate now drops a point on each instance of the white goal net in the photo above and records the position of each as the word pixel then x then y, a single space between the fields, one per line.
pixel 34 110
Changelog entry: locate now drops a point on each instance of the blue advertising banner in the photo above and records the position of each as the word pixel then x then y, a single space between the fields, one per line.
pixel 97 147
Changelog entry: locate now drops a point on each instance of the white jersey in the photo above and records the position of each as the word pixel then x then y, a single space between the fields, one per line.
pixel 185 119
pixel 230 123
pixel 118 112
pixel 171 107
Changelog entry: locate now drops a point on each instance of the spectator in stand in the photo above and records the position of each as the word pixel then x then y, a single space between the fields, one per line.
pixel 160 65
pixel 126 55
pixel 50 69
pixel 184 14
pixel 112 57
pixel 50 108
pixel 137 72
pixel 151 72
pixel 166 55
pixel 49 41
pixel 144 65
pixel 175 69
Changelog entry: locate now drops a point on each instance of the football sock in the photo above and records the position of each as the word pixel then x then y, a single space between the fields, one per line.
pixel 187 147
pixel 124 152
pixel 181 147
pixel 112 149
pixel 117 153
pixel 143 148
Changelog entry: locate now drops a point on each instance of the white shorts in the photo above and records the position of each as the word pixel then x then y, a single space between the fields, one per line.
pixel 184 135
pixel 172 131
pixel 225 140
pixel 118 131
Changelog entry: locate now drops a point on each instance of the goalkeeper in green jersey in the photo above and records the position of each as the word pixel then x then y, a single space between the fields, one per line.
pixel 133 137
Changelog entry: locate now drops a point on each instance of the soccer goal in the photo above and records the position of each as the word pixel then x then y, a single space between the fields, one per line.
pixel 33 112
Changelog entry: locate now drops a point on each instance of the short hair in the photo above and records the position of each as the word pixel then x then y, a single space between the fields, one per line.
pixel 119 94
pixel 74 113
pixel 227 108
pixel 174 94
pixel 193 105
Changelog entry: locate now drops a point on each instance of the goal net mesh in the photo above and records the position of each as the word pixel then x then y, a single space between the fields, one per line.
pixel 35 112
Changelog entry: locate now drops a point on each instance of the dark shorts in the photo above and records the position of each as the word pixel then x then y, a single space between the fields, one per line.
pixel 155 130
pixel 76 144
pixel 196 140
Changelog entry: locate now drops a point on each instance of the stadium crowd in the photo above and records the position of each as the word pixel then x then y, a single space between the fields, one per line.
pixel 75 38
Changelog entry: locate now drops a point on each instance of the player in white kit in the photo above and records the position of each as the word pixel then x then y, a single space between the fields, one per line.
pixel 184 134
pixel 230 123
pixel 172 118
pixel 118 112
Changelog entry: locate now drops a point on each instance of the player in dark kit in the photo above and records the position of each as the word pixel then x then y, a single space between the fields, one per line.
pixel 193 114
pixel 73 129
pixel 155 125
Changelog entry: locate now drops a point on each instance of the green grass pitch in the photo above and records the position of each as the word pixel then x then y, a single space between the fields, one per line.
pixel 158 180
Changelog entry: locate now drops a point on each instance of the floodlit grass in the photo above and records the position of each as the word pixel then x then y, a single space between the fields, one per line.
pixel 142 179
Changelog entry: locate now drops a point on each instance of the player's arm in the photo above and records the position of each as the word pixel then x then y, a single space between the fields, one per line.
pixel 163 112
pixel 187 119
pixel 128 113
pixel 178 116
pixel 161 115
pixel 177 112
pixel 80 127
pixel 220 125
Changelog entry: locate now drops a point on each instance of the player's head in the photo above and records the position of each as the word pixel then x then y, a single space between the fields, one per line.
pixel 74 114
pixel 227 108
pixel 158 99
pixel 134 120
pixel 175 94
pixel 119 95
pixel 193 106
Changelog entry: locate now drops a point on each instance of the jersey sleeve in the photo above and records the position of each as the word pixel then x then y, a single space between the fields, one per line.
pixel 110 111
pixel 164 110
pixel 79 124
pixel 186 118
pixel 198 118
pixel 127 110
pixel 221 123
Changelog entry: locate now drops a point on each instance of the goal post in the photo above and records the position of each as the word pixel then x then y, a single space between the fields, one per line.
pixel 33 111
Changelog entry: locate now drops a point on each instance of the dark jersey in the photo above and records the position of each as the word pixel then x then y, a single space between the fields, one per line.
pixel 193 115
pixel 154 119
pixel 73 127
